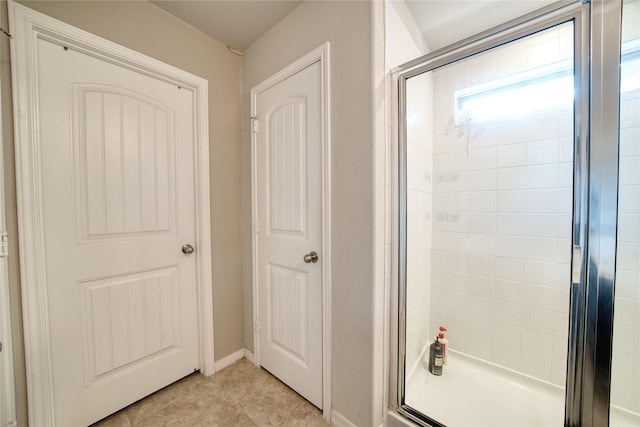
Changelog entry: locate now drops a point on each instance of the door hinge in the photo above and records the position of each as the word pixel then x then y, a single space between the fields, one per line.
pixel 6 33
pixel 254 124
pixel 257 326
pixel 255 227
pixel 4 244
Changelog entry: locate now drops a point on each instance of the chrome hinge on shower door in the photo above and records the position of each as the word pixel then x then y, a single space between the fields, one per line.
pixel 4 244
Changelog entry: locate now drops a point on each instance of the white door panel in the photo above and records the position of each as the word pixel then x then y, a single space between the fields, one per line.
pixel 289 155
pixel 118 196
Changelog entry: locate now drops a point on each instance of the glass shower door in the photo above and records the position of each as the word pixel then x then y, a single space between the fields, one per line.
pixel 489 161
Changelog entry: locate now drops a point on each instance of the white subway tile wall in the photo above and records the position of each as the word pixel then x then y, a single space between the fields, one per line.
pixel 501 222
pixel 625 383
pixel 419 206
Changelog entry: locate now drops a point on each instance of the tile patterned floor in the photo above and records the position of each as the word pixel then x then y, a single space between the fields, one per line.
pixel 241 395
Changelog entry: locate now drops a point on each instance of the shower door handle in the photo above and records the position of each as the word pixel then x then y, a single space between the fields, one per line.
pixel 576 267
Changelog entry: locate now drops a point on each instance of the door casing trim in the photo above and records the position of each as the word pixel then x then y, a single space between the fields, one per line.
pixel 27 27
pixel 321 55
pixel 7 381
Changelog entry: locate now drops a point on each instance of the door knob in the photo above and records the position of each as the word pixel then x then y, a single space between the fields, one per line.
pixel 188 249
pixel 310 257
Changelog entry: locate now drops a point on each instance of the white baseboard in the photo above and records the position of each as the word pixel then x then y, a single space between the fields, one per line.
pixel 249 356
pixel 339 420
pixel 228 360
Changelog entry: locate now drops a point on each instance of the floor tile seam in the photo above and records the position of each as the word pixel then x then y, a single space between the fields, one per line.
pixel 129 422
pixel 183 421
pixel 222 400
pixel 152 414
pixel 172 398
pixel 252 420
pixel 237 411
pixel 292 411
pixel 234 400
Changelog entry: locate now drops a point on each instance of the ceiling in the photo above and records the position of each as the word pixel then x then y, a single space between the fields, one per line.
pixel 443 22
pixel 236 23
pixel 239 23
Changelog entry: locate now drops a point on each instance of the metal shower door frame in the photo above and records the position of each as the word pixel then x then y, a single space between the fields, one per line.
pixel 596 112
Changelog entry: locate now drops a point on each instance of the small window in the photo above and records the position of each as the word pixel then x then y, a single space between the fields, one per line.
pixel 535 90
pixel 539 89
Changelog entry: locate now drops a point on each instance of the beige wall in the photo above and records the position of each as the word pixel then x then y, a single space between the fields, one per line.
pixel 356 286
pixel 147 29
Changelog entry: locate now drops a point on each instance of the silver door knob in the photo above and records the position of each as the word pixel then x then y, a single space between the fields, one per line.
pixel 310 257
pixel 188 249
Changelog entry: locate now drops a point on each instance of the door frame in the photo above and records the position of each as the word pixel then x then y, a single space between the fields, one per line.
pixel 27 27
pixel 321 55
pixel 7 381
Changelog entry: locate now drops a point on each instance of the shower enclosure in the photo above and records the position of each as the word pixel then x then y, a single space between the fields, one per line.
pixel 519 158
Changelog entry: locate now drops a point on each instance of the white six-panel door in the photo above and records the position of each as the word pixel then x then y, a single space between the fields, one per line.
pixel 117 165
pixel 288 139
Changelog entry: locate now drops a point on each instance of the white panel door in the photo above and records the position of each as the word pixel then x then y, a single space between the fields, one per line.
pixel 289 216
pixel 117 154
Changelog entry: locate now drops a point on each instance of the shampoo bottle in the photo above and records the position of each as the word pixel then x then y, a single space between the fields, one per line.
pixel 435 358
pixel 444 343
